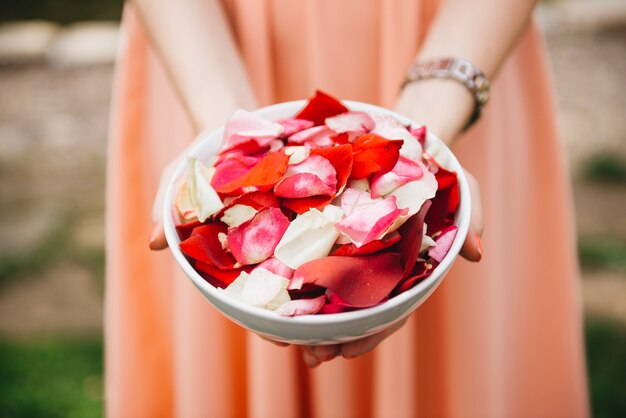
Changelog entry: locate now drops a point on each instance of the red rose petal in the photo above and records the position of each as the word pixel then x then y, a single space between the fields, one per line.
pixel 185 230
pixel 374 154
pixel 446 200
pixel 320 107
pixel 305 204
pixel 301 306
pixel 204 245
pixel 369 248
pixel 359 281
pixel 341 159
pixel 412 232
pixel 255 240
pixel 444 242
pixel 219 278
pixel 262 176
pixel 419 273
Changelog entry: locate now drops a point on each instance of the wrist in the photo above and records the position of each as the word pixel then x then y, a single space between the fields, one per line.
pixel 443 105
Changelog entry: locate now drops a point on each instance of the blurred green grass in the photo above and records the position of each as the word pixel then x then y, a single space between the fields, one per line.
pixel 602 253
pixel 606 168
pixel 62 11
pixel 51 378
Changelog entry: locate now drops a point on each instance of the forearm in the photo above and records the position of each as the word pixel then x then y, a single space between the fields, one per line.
pixel 194 42
pixel 483 32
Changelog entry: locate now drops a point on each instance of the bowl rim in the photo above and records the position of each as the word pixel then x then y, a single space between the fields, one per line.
pixel 462 221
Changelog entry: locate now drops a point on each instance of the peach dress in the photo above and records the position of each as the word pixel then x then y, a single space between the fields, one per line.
pixel 501 338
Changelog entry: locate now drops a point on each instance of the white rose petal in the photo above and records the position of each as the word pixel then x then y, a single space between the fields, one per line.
pixel 297 153
pixel 282 298
pixel 310 236
pixel 389 127
pixel 238 214
pixel 262 287
pixel 204 198
pixel 236 287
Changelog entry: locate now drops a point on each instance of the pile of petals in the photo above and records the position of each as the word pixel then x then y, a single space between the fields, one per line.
pixel 327 211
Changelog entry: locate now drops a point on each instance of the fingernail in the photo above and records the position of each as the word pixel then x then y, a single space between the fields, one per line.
pixel 479 246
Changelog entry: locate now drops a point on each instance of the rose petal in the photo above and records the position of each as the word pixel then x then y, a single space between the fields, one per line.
pixel 351 121
pixel 293 125
pixel 312 177
pixel 320 107
pixel 317 136
pixel 302 306
pixel 419 273
pixel 302 185
pixel 296 153
pixel 389 127
pixel 443 243
pixel 366 219
pixel 403 172
pixel 445 202
pixel 232 166
pixel 419 134
pixel 238 214
pixel 256 200
pixel 277 267
pixel 262 287
pixel 359 281
pixel 305 204
pixel 204 245
pixel 341 159
pixel 244 126
pixel 369 248
pixel 185 230
pixel 203 198
pixel 309 236
pixel 373 154
pixel 263 176
pixel 412 232
pixel 183 203
pixel 216 277
pixel 413 194
pixel 255 240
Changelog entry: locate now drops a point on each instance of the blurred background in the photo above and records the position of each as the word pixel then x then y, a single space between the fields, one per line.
pixel 56 67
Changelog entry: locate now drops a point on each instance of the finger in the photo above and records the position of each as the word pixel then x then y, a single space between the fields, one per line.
pixel 309 359
pixel 325 352
pixel 278 343
pixel 157 237
pixel 472 248
pixel 365 345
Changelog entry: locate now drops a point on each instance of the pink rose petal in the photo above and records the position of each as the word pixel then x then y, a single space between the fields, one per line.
pixel 403 172
pixel 359 281
pixel 233 166
pixel 313 176
pixel 301 306
pixel 274 265
pixel 419 134
pixel 444 242
pixel 255 240
pixel 351 122
pixel 293 125
pixel 366 219
pixel 317 136
pixel 244 126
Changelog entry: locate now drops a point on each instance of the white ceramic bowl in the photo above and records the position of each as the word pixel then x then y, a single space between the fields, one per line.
pixel 314 329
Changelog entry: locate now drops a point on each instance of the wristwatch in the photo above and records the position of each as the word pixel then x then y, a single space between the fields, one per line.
pixel 458 69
